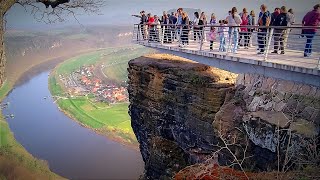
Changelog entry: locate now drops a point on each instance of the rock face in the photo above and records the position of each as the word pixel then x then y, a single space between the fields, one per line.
pixel 185 113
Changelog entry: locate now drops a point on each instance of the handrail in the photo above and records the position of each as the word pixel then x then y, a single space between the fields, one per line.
pixel 270 40
pixel 241 26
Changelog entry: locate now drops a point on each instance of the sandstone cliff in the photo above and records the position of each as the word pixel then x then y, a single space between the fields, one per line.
pixel 185 113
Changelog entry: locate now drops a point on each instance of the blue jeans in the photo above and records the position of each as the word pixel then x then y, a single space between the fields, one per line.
pixel 222 46
pixel 308 48
pixel 235 33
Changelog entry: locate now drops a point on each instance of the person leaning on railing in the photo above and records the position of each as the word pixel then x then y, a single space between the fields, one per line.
pixel 312 18
pixel 142 27
pixel 279 33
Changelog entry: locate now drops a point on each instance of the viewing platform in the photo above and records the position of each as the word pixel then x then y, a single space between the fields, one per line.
pixel 292 65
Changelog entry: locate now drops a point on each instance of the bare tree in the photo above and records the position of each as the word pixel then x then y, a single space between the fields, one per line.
pixel 58 10
pixel 49 11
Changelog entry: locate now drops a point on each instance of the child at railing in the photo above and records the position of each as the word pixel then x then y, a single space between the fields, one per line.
pixel 223 33
pixel 212 37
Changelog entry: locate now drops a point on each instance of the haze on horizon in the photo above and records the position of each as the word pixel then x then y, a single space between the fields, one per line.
pixel 119 12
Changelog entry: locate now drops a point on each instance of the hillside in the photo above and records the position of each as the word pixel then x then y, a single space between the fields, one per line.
pixel 30 48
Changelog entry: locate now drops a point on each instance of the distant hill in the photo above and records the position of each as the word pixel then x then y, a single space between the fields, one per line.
pixel 23 43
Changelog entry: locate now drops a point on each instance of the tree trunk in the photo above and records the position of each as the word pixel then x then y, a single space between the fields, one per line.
pixel 2 53
pixel 5 5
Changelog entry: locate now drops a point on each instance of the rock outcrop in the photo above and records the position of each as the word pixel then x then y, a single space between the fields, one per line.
pixel 185 113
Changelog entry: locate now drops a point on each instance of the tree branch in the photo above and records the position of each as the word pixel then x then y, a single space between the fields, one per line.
pixel 58 10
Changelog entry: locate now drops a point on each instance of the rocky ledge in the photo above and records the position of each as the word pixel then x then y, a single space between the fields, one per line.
pixel 185 113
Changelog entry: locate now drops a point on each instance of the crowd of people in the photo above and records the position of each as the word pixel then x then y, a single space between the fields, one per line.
pixel 236 27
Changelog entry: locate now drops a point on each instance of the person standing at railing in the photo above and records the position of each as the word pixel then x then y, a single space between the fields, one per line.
pixel 212 37
pixel 252 20
pixel 173 20
pixel 196 29
pixel 274 15
pixel 223 33
pixel 157 28
pixel 142 27
pixel 151 27
pixel 312 18
pixel 291 17
pixel 178 25
pixel 185 29
pixel 264 20
pixel 213 19
pixel 279 33
pixel 234 20
pixel 203 21
pixel 243 35
pixel 167 30
pixel 291 21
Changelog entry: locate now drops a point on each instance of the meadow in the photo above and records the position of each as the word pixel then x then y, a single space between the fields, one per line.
pixel 111 120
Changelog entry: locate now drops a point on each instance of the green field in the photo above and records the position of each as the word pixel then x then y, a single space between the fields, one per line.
pixel 5 89
pixel 118 71
pixel 78 36
pixel 110 119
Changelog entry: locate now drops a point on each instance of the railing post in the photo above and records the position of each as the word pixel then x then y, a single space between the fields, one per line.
pixel 202 37
pixel 136 31
pixel 229 39
pixel 162 34
pixel 268 43
pixel 148 33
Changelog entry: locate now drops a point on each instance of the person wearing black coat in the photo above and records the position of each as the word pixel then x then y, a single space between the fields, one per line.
pixel 142 27
pixel 279 33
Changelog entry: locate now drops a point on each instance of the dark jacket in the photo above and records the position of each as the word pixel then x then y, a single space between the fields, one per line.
pixel 281 20
pixel 172 19
pixel 274 15
pixel 143 19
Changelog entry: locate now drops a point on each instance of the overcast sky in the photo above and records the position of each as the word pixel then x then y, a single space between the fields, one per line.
pixel 119 11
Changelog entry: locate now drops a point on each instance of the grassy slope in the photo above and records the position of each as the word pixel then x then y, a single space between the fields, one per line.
pixel 99 116
pixel 15 161
pixel 118 72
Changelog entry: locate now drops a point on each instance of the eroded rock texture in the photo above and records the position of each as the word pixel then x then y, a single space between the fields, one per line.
pixel 185 113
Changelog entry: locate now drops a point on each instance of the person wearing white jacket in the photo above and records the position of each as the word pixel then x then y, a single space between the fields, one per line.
pixel 234 20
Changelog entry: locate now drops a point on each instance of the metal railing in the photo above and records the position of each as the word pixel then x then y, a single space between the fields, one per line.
pixel 287 45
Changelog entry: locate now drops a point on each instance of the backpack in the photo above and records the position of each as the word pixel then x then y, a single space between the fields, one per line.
pixel 268 19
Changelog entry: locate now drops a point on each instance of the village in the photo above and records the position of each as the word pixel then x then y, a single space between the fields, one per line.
pixel 83 82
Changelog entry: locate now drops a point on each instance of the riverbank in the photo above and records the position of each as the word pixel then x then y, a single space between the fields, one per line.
pixel 15 161
pixel 105 119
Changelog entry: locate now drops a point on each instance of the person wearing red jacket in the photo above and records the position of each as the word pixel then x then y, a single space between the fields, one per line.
pixel 312 18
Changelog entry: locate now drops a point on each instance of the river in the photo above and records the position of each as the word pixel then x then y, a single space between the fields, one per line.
pixel 71 150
